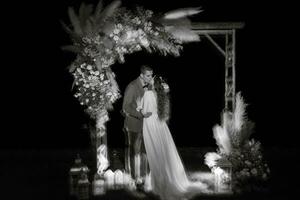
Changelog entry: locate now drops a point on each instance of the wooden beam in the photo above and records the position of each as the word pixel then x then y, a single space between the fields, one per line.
pixel 212 32
pixel 215 44
pixel 217 25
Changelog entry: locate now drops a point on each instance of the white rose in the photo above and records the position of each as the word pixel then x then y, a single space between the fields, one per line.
pixel 254 171
pixel 120 26
pixel 165 86
pixel 138 47
pixel 129 35
pixel 116 38
pixel 116 31
pixel 247 162
pixel 89 67
pixel 264 176
pixel 140 31
pixel 135 34
pixel 145 42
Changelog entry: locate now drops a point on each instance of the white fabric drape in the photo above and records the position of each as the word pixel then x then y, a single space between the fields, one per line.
pixel 168 176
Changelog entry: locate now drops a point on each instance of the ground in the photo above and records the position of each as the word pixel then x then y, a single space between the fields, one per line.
pixel 43 174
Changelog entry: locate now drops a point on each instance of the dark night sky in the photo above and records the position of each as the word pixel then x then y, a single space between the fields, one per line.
pixel 40 111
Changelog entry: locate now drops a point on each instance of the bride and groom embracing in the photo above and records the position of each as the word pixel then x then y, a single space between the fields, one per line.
pixel 150 149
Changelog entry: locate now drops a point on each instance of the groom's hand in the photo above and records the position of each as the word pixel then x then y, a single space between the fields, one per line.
pixel 147 114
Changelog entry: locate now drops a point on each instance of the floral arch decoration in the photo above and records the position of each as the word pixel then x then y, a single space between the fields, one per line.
pixel 101 36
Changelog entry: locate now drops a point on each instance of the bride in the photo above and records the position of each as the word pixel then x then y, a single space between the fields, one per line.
pixel 167 173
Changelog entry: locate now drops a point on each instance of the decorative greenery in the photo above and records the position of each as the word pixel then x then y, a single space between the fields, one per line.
pixel 250 171
pixel 103 36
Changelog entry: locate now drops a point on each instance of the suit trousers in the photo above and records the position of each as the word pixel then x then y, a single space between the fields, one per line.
pixel 136 163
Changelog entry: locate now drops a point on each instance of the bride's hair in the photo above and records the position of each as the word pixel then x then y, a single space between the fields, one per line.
pixel 163 99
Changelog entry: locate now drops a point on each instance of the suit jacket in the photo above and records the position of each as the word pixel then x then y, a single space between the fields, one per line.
pixel 133 119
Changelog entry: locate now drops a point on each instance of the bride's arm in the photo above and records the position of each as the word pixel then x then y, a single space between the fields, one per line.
pixel 140 105
pixel 144 110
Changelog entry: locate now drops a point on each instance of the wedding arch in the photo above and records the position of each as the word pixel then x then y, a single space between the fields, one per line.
pixel 102 36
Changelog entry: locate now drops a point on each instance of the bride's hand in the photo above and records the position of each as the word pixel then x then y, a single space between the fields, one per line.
pixel 147 114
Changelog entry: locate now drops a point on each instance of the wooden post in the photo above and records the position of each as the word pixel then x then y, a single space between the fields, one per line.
pixel 230 71
pixel 227 29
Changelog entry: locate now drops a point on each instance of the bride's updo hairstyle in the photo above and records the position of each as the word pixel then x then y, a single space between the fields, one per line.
pixel 163 98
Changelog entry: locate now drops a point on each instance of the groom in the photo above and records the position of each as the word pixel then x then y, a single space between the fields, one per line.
pixel 135 154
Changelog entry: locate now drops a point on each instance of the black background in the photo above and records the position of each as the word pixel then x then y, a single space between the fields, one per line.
pixel 39 110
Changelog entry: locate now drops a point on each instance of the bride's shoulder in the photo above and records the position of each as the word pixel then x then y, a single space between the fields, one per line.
pixel 149 92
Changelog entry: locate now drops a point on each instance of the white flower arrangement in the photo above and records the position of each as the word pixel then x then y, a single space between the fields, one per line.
pixel 250 171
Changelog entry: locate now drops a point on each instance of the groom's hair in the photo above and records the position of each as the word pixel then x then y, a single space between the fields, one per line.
pixel 145 68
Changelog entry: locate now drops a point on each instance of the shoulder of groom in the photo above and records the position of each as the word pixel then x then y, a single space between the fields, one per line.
pixel 132 85
pixel 137 82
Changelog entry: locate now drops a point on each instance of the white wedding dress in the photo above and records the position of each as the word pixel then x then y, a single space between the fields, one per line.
pixel 167 173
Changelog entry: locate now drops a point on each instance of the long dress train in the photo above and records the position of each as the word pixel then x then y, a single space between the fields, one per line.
pixel 167 173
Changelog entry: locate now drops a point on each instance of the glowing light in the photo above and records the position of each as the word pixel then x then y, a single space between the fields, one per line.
pixel 102 161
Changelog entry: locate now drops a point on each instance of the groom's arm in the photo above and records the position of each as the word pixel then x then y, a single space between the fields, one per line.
pixel 129 103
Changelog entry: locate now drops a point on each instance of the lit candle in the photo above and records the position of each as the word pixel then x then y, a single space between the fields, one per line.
pixel 119 179
pixel 217 171
pixel 109 179
pixel 98 185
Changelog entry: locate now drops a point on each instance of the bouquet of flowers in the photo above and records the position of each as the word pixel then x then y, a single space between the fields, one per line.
pixel 250 171
pixel 95 89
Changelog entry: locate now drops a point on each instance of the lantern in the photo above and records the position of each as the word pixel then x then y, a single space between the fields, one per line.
pixel 74 174
pixel 98 185
pixel 119 179
pixel 148 186
pixel 109 179
pixel 127 179
pixel 223 176
pixel 83 187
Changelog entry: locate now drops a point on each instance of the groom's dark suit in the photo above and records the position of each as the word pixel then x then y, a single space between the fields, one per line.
pixel 133 126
